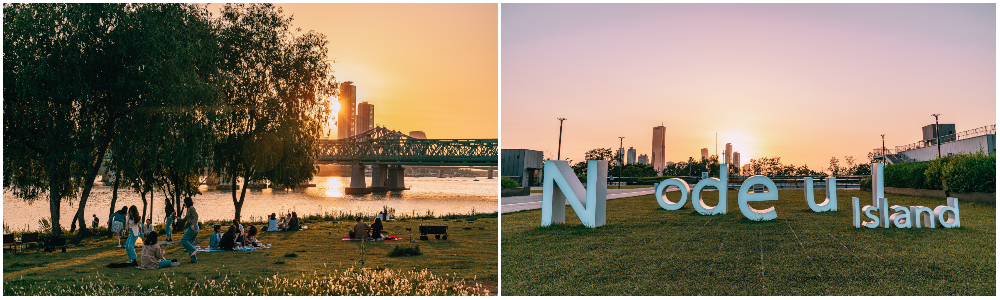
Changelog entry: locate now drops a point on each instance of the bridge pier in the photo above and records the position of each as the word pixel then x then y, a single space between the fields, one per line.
pixel 441 172
pixel 358 186
pixel 396 176
pixel 489 173
pixel 379 176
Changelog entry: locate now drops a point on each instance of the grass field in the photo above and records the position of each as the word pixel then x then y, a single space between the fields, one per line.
pixel 646 250
pixel 307 262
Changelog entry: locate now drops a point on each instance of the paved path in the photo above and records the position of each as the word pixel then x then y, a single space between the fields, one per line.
pixel 534 201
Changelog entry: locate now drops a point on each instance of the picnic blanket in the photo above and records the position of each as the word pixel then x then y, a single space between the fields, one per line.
pixel 122 265
pixel 237 249
pixel 300 228
pixel 388 238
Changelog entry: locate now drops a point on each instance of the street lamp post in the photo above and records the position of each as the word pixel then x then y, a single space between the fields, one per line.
pixel 559 152
pixel 937 133
pixel 883 148
pixel 621 152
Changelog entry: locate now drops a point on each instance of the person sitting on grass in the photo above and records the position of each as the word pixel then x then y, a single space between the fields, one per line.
pixel 148 227
pixel 152 254
pixel 251 238
pixel 377 229
pixel 361 229
pixel 293 222
pixel 272 223
pixel 240 231
pixel 215 237
pixel 228 241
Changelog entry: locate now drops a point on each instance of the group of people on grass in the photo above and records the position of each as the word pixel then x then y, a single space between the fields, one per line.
pixel 290 222
pixel 361 230
pixel 127 222
pixel 236 236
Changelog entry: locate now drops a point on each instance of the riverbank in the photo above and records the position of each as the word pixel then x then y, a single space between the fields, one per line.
pixel 646 250
pixel 308 262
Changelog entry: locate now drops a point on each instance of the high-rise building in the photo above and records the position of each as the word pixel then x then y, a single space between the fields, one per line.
pixel 631 155
pixel 728 155
pixel 620 156
pixel 365 120
pixel 704 153
pixel 345 117
pixel 736 161
pixel 659 147
pixel 418 134
pixel 643 159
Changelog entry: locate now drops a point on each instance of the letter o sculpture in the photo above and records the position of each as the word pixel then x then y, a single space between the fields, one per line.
pixel 661 198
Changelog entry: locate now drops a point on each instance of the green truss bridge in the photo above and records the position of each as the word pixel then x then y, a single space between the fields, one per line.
pixel 388 151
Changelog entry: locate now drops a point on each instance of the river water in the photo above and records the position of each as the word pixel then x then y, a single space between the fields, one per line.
pixel 438 195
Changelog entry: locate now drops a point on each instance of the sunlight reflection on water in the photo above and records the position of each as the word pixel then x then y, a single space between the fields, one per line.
pixel 439 195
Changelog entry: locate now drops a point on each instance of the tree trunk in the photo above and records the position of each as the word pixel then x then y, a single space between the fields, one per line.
pixel 142 195
pixel 88 184
pixel 114 198
pixel 239 204
pixel 54 199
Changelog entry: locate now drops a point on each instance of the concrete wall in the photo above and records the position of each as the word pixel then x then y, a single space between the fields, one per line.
pixel 971 145
pixel 515 163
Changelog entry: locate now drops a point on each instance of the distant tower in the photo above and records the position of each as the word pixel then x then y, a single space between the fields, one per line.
pixel 345 117
pixel 736 161
pixel 621 153
pixel 643 159
pixel 366 118
pixel 631 155
pixel 704 153
pixel 728 154
pixel 659 146
pixel 418 134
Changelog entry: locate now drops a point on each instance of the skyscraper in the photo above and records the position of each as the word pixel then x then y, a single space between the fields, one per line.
pixel 365 119
pixel 704 153
pixel 736 161
pixel 659 146
pixel 620 156
pixel 345 117
pixel 643 159
pixel 728 155
pixel 631 155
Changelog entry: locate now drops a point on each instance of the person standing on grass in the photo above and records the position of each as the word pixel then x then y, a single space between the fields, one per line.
pixel 118 224
pixel 132 227
pixel 191 221
pixel 361 229
pixel 152 254
pixel 96 221
pixel 168 210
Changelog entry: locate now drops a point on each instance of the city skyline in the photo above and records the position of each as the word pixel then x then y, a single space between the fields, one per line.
pixel 800 81
pixel 427 67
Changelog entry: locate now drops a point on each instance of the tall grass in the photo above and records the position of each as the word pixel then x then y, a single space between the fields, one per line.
pixel 363 281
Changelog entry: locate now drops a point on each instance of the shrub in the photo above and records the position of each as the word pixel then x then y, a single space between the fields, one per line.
pixel 405 251
pixel 908 175
pixel 652 180
pixel 865 184
pixel 971 173
pixel 509 183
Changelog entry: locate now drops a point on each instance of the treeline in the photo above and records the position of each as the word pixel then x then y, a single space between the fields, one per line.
pixel 164 92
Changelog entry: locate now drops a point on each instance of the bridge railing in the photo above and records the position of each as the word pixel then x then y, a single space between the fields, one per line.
pixel 441 152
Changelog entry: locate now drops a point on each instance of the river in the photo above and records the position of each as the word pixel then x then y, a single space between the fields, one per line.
pixel 438 195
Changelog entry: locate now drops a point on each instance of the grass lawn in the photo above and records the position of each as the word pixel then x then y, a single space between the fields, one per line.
pixel 307 262
pixel 646 250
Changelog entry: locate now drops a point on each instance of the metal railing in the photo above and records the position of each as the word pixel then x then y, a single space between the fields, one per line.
pixel 425 152
pixel 971 133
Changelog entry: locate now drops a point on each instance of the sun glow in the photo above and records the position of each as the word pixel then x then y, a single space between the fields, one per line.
pixel 331 122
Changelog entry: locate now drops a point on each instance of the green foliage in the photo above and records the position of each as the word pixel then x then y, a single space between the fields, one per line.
pixel 652 180
pixel 865 184
pixel 405 251
pixel 961 173
pixel 909 175
pixel 509 183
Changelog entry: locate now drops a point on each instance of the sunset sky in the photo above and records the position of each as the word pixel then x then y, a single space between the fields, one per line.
pixel 801 81
pixel 427 67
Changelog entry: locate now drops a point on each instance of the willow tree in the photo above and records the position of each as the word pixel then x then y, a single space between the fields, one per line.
pixel 74 74
pixel 280 87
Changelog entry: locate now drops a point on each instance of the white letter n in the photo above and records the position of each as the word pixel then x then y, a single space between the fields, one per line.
pixel 589 204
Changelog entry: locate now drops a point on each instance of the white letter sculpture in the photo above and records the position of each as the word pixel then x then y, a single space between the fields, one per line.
pixel 745 196
pixel 942 214
pixel 592 212
pixel 719 183
pixel 830 204
pixel 661 196
pixel 878 183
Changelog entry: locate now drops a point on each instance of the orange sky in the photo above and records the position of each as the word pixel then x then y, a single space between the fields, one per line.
pixel 427 67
